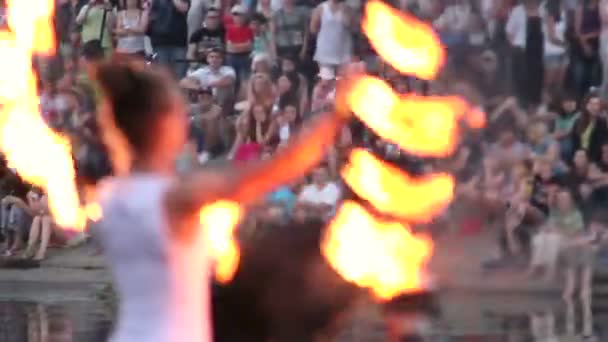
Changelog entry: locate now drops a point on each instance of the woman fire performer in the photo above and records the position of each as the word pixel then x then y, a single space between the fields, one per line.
pixel 150 229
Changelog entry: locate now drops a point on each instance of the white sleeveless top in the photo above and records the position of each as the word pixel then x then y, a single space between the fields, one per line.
pixel 552 49
pixel 162 283
pixel 334 40
pixel 131 43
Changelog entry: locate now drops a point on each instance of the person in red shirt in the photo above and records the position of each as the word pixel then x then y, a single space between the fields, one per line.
pixel 239 44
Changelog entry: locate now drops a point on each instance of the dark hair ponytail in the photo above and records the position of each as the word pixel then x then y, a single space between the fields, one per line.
pixel 137 98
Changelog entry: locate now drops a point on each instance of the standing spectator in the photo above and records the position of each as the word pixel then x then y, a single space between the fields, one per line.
pixel 290 30
pixel 168 30
pixel 525 33
pixel 211 35
pixel 239 45
pixel 96 22
pixel 604 48
pixel 587 27
pixel 590 129
pixel 453 25
pixel 262 41
pixel 332 21
pixel 131 24
pixel 556 57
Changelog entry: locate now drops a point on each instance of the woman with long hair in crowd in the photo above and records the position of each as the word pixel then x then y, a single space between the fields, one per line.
pixel 163 282
pixel 590 129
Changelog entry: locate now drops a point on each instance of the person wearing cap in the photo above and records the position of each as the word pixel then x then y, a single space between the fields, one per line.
pixel 239 44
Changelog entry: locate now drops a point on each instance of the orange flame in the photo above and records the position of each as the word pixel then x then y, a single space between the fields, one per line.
pixel 393 192
pixel 409 45
pixel 219 220
pixel 382 256
pixel 426 126
pixel 41 156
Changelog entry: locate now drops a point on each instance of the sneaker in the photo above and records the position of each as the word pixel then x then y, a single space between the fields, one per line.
pixel 203 157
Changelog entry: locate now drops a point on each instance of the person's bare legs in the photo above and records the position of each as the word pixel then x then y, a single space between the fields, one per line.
pixel 46 230
pixel 33 238
pixel 570 286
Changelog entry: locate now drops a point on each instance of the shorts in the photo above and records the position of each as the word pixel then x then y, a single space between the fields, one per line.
pixel 555 61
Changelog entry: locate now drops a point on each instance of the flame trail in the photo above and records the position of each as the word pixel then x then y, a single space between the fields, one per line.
pixel 395 193
pixel 383 256
pixel 41 156
pixel 377 254
pixel 219 220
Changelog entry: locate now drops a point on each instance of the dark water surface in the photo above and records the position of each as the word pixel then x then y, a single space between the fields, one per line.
pixel 468 318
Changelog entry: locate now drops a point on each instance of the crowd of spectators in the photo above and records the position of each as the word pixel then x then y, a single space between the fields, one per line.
pixel 252 71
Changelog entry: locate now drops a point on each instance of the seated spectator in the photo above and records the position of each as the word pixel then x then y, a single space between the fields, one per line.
pixel 567 114
pixel 323 93
pixel 255 129
pixel 44 231
pixel 565 223
pixel 212 35
pixel 130 28
pixel 290 64
pixel 590 128
pixel 261 64
pixel 206 125
pixel 13 220
pixel 544 146
pixel 321 196
pixel 577 179
pixel 287 121
pixel 260 90
pixel 508 150
pixel 239 44
pixel 218 77
pixel 288 85
pixel 92 54
pixel 19 215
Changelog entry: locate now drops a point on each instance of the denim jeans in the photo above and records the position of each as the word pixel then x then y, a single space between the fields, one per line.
pixel 15 219
pixel 174 57
pixel 241 63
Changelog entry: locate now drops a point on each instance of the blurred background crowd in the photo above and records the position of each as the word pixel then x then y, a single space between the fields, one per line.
pixel 253 70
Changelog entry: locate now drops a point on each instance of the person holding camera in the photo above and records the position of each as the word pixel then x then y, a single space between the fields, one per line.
pixel 96 21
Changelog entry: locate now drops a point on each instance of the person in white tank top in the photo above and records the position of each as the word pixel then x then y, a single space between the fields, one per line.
pixel 131 25
pixel 150 231
pixel 332 22
pixel 554 32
